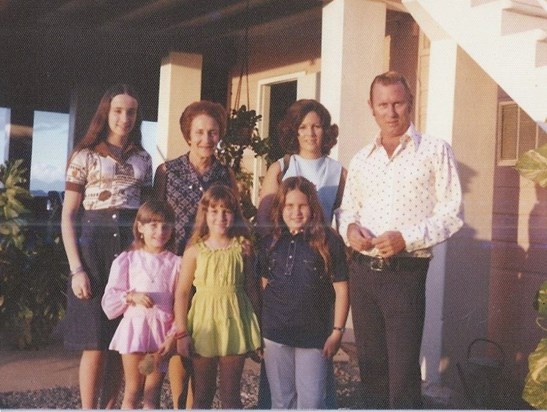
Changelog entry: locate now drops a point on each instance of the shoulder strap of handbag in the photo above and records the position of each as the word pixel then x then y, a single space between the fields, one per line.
pixel 340 191
pixel 286 162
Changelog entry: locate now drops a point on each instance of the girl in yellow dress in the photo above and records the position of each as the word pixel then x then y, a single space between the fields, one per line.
pixel 221 327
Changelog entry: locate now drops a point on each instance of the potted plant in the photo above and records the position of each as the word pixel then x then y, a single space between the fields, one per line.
pixel 241 134
pixel 242 125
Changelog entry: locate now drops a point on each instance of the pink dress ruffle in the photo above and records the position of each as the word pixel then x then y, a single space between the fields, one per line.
pixel 141 329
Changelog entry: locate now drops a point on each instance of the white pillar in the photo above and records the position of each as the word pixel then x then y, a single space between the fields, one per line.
pixel 180 85
pixel 461 109
pixel 352 54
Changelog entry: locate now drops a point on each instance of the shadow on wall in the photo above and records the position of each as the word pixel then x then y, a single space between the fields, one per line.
pixel 490 285
pixel 512 321
pixel 471 272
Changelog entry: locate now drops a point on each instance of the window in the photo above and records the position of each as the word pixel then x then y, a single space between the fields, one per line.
pixel 49 151
pixel 517 133
pixel 4 122
pixel 149 136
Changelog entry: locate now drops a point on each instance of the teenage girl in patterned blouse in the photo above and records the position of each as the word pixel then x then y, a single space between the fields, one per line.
pixel 106 175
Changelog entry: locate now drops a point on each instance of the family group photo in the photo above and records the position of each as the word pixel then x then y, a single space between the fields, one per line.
pixel 266 204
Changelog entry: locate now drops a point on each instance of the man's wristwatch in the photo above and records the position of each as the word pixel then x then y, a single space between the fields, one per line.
pixel 342 330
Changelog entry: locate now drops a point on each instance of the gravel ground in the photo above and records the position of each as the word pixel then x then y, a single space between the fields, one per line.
pixel 68 398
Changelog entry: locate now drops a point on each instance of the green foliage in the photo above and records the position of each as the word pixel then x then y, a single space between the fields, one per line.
pixel 37 298
pixel 241 134
pixel 12 208
pixel 33 266
pixel 533 165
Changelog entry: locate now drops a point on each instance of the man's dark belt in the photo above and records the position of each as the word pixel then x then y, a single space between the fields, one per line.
pixel 395 263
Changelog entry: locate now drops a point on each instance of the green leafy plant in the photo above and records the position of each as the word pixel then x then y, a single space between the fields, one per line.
pixel 533 165
pixel 33 265
pixel 12 196
pixel 241 134
pixel 242 125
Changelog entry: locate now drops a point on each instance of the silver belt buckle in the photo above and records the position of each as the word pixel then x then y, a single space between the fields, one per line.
pixel 378 264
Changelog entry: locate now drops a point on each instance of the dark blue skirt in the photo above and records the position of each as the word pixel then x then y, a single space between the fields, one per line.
pixel 104 234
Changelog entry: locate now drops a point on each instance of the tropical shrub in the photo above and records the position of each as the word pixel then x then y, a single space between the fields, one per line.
pixel 33 265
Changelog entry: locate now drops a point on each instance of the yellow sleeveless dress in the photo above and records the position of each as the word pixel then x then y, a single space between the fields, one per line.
pixel 221 319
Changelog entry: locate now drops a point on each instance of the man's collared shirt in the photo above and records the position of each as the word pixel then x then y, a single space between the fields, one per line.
pixel 416 191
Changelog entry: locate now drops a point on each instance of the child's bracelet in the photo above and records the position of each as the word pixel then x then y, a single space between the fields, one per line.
pixel 180 335
pixel 79 269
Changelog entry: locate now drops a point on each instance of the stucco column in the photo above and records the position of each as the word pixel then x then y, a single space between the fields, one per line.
pixel 462 109
pixel 352 54
pixel 180 85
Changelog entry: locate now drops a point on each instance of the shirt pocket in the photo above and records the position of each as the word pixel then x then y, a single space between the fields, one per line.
pixel 314 273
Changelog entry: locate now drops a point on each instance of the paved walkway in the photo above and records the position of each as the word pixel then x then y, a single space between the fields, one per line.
pixel 38 369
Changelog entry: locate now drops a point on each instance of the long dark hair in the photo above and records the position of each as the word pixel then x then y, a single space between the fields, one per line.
pixel 98 128
pixel 315 230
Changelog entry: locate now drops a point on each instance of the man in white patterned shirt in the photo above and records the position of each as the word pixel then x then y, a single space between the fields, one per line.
pixel 402 197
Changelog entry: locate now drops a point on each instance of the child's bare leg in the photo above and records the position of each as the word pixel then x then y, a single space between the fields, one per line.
pixel 177 376
pixel 90 375
pixel 152 390
pixel 112 380
pixel 205 374
pixel 231 369
pixel 133 380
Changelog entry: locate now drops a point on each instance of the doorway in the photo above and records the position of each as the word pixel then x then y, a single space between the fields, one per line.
pixel 282 95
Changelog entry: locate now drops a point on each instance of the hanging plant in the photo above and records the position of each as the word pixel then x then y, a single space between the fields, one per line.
pixel 242 126
pixel 241 134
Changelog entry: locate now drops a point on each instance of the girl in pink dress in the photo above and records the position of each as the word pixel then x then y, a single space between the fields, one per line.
pixel 141 287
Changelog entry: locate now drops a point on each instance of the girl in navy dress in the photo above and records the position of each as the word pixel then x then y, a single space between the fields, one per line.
pixel 304 273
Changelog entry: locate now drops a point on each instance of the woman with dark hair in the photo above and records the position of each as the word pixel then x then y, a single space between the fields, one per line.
pixel 181 182
pixel 307 136
pixel 107 175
